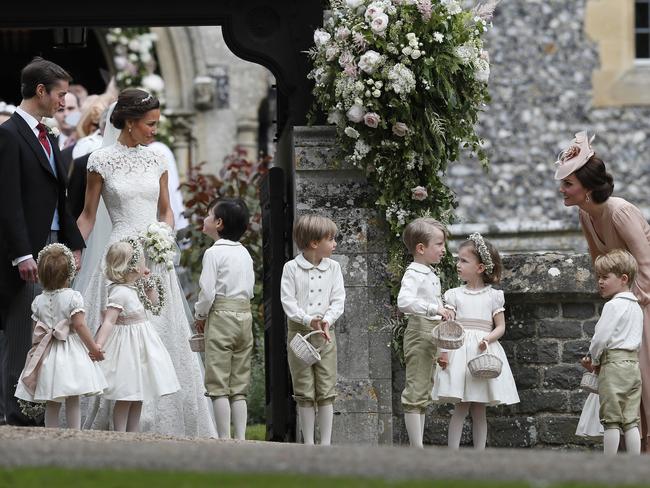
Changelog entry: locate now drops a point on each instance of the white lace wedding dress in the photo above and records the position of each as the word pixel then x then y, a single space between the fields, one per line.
pixel 130 191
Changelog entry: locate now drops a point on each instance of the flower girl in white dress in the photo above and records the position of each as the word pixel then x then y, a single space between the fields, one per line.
pixel 58 366
pixel 137 365
pixel 479 309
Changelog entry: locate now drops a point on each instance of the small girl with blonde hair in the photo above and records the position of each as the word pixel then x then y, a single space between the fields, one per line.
pixel 137 366
pixel 58 368
pixel 479 309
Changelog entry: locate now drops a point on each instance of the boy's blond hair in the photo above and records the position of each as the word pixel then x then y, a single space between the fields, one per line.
pixel 117 262
pixel 312 227
pixel 422 230
pixel 619 262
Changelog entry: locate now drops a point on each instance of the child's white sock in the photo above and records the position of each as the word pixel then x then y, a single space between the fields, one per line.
pixel 633 441
pixel 72 412
pixel 52 414
pixel 414 428
pixel 239 417
pixel 120 415
pixel 456 425
pixel 307 419
pixel 133 419
pixel 479 425
pixel 325 418
pixel 422 423
pixel 611 439
pixel 221 407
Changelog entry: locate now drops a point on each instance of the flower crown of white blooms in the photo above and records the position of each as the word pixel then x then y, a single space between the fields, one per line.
pixel 72 267
pixel 146 99
pixel 483 251
pixel 138 252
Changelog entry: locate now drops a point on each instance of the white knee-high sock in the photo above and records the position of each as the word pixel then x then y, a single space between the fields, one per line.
pixel 422 423
pixel 414 428
pixel 307 419
pixel 52 414
pixel 133 419
pixel 239 413
pixel 221 407
pixel 456 425
pixel 120 415
pixel 611 439
pixel 479 425
pixel 325 419
pixel 72 412
pixel 633 441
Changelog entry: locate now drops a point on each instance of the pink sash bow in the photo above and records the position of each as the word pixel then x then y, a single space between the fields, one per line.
pixel 41 344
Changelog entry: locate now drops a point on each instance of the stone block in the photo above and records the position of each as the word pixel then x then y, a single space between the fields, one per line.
pixel 581 310
pixel 559 430
pixel 315 149
pixel 385 428
pixel 588 327
pixel 356 396
pixel 435 431
pixel 577 400
pixel 526 377
pixel 354 268
pixel 382 391
pixel 573 351
pixel 355 428
pixel 537 351
pixel 569 329
pixel 564 376
pixel 509 348
pixel 512 431
pixel 535 401
pixel 520 329
pixel 525 311
pixel 377 274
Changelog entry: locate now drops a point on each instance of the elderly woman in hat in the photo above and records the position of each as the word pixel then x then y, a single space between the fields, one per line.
pixel 610 223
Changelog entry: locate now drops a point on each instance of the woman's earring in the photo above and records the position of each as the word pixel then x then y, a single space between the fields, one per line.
pixel 129 130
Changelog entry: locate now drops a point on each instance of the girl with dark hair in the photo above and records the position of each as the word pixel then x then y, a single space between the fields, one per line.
pixel 132 182
pixel 610 223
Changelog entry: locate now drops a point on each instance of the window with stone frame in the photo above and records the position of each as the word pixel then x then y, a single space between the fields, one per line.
pixel 642 30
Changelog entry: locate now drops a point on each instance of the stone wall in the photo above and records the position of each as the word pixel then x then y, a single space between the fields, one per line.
pixel 551 311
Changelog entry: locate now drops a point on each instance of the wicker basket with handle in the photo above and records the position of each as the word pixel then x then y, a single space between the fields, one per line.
pixel 485 365
pixel 589 382
pixel 197 343
pixel 449 335
pixel 303 350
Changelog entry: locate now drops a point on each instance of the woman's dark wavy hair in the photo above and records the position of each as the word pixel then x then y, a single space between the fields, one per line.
pixel 132 104
pixel 593 176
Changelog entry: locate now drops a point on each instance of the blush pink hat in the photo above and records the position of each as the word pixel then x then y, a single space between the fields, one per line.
pixel 575 156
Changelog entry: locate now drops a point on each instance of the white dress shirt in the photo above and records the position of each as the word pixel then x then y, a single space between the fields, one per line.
pixel 227 272
pixel 87 145
pixel 620 326
pixel 420 292
pixel 309 291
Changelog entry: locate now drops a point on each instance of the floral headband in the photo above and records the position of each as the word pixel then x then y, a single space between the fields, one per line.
pixel 72 267
pixel 575 156
pixel 137 255
pixel 483 251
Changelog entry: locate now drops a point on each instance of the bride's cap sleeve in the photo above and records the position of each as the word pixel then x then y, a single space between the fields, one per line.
pixel 95 163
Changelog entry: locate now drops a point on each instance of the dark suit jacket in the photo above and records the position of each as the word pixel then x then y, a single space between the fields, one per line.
pixel 77 185
pixel 29 194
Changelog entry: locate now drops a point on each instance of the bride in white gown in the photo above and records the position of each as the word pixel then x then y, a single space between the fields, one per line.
pixel 132 182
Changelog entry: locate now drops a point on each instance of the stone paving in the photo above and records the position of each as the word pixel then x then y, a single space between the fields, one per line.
pixel 99 449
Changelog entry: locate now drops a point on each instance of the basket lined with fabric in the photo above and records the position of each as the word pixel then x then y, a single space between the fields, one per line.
pixel 303 350
pixel 449 335
pixel 197 343
pixel 485 365
pixel 589 382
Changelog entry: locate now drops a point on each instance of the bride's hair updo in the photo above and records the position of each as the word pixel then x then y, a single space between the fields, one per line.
pixel 594 177
pixel 132 104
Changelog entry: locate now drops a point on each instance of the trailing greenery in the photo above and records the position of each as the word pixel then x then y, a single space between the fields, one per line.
pixel 404 82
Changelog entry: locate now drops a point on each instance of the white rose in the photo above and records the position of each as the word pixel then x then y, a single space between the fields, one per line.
pixel 355 113
pixel 411 36
pixel 369 61
pixel 346 58
pixel 407 51
pixel 342 33
pixel 373 11
pixel 379 23
pixel 120 62
pixel 376 93
pixel 321 37
pixel 416 54
pixel 400 129
pixel 153 83
pixel 372 120
pixel 353 3
pixel 134 45
pixel 351 132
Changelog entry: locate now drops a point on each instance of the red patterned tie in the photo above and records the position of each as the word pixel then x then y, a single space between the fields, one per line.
pixel 42 138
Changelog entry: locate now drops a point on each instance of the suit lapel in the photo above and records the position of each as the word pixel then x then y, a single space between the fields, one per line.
pixel 32 140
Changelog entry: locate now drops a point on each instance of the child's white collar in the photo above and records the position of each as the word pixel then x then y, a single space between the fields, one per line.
pixel 304 264
pixel 420 268
pixel 627 295
pixel 226 242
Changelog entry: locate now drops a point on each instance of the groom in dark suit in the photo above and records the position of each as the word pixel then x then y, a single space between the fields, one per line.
pixel 33 213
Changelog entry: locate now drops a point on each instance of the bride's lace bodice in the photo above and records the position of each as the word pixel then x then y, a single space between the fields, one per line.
pixel 131 185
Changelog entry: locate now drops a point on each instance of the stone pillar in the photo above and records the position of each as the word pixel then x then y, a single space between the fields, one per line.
pixel 363 409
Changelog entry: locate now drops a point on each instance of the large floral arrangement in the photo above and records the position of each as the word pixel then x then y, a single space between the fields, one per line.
pixel 404 82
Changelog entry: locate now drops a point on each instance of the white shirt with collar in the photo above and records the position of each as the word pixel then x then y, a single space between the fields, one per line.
pixel 32 123
pixel 620 326
pixel 308 291
pixel 420 292
pixel 227 272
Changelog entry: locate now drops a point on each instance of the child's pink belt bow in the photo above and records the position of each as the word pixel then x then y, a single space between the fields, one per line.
pixel 40 349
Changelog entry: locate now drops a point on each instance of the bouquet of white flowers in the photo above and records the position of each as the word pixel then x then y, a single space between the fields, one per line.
pixel 159 243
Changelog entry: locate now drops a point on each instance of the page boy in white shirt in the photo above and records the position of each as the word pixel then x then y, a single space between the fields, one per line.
pixel 614 352
pixel 313 297
pixel 226 288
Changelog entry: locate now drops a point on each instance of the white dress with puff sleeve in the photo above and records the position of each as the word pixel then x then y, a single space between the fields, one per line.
pixel 131 187
pixel 475 310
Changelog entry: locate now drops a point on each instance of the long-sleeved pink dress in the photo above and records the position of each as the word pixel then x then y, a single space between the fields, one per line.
pixel 621 225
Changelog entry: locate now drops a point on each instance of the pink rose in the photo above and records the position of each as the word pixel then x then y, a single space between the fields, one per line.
pixel 400 129
pixel 419 193
pixel 371 119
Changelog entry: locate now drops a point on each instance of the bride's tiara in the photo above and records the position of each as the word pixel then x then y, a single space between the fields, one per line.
pixel 146 99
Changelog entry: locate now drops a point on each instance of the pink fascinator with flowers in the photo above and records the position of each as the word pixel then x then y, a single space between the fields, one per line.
pixel 575 156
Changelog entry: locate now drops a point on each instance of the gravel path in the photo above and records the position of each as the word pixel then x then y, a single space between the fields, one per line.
pixel 21 446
